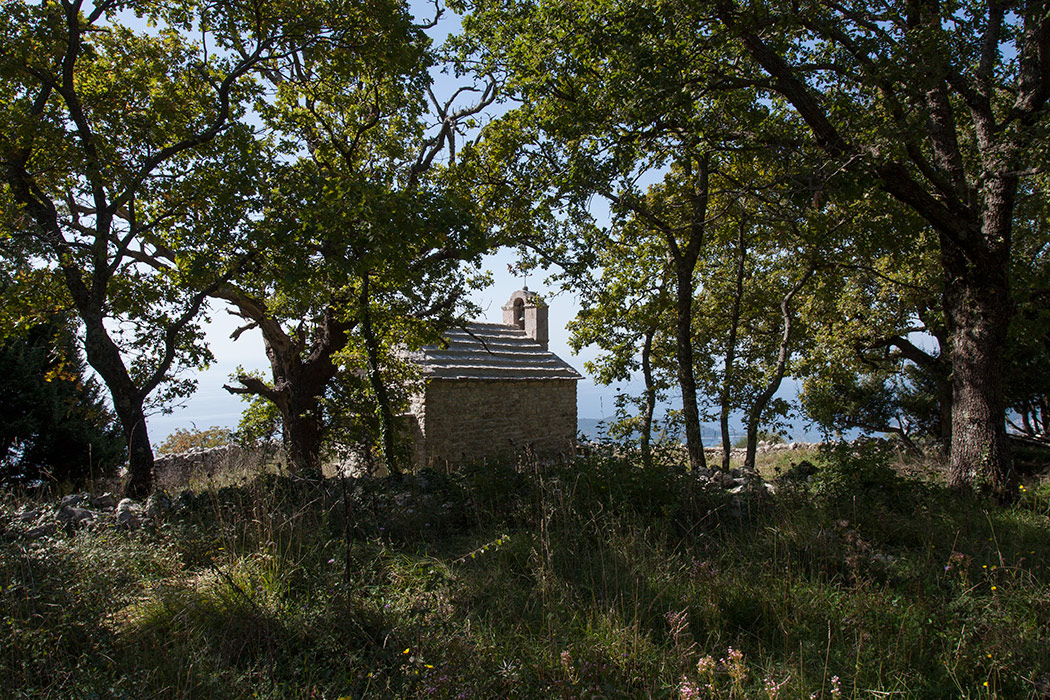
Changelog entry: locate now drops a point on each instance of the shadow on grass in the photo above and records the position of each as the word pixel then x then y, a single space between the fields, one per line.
pixel 590 579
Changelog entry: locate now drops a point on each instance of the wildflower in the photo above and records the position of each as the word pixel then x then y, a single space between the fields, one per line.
pixel 705 666
pixel 688 690
pixel 772 687
pixel 736 666
pixel 836 688
pixel 566 665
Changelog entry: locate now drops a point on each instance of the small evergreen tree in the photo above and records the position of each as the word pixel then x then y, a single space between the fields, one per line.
pixel 56 427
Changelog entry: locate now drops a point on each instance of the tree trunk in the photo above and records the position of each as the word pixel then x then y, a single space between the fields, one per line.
pixel 944 406
pixel 978 307
pixel 300 375
pixel 763 399
pixel 128 403
pixel 140 458
pixel 303 432
pixel 975 249
pixel 387 426
pixel 650 398
pixel 297 387
pixel 685 265
pixel 734 323
pixel 684 354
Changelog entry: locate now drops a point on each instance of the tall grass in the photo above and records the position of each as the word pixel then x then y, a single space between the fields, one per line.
pixel 595 579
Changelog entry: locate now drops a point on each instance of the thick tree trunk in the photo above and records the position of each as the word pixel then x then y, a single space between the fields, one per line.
pixel 128 403
pixel 300 375
pixel 296 390
pixel 140 457
pixel 978 307
pixel 303 432
pixel 297 387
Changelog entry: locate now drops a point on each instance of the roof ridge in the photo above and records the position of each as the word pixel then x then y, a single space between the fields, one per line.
pixel 480 350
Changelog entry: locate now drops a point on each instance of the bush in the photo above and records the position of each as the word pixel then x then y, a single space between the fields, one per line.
pixel 56 427
pixel 185 440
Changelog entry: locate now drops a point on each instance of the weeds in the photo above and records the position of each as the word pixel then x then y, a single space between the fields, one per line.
pixel 583 580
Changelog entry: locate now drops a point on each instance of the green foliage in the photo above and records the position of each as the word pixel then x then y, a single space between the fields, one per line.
pixel 856 469
pixel 364 247
pixel 260 421
pixel 56 427
pixel 186 439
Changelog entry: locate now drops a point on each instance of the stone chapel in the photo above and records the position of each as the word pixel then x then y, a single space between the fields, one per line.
pixel 494 391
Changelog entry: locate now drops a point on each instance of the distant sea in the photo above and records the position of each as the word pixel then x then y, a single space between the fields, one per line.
pixel 595 429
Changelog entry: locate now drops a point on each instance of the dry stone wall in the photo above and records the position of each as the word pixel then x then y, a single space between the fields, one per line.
pixel 469 420
pixel 175 471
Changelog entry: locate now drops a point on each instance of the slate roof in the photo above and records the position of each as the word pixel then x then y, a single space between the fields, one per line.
pixel 492 351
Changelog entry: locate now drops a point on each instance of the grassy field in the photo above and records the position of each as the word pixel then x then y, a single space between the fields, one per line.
pixel 596 579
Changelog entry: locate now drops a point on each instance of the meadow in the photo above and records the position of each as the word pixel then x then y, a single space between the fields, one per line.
pixel 594 578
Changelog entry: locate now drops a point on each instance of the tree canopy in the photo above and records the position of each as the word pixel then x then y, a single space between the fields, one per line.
pixel 942 106
pixel 785 190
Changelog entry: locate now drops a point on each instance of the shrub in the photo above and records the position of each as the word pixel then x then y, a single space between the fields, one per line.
pixel 185 440
pixel 56 427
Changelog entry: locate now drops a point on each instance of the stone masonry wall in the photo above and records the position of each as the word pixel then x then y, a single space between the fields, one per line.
pixel 466 420
pixel 173 472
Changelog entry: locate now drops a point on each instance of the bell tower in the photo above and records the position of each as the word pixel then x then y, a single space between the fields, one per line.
pixel 526 312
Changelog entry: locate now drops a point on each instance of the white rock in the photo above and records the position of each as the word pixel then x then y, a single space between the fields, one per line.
pixel 128 513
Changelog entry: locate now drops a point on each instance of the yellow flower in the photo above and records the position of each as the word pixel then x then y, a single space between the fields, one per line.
pixel 406 650
pixel 993 588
